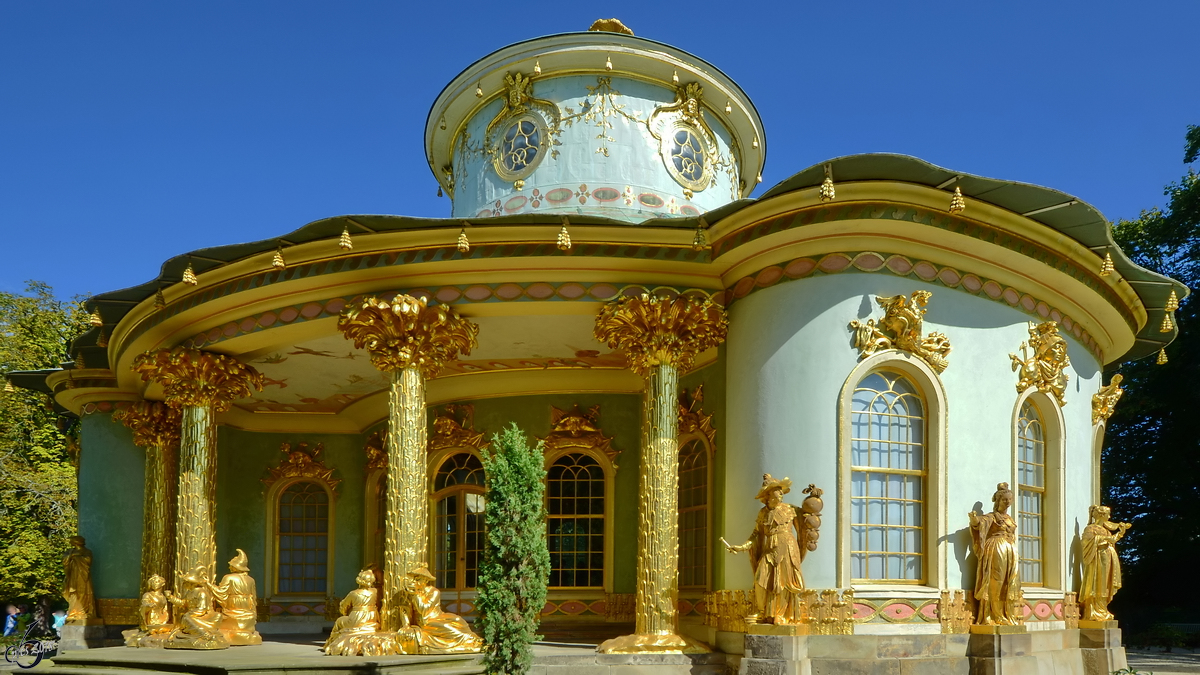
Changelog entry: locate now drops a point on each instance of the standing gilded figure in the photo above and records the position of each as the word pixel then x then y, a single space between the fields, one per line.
pixel 77 586
pixel 783 534
pixel 997 576
pixel 1101 566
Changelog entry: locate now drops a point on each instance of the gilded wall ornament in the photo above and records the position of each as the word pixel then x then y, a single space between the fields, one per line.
pixel 599 108
pixel 692 418
pixel 1043 361
pixel 376 451
pixel 1104 402
pixel 577 429
pixel 523 132
pixel 408 333
pixel 453 428
pixel 687 145
pixel 901 328
pixel 302 462
pixel 654 330
pixel 954 612
pixel 191 377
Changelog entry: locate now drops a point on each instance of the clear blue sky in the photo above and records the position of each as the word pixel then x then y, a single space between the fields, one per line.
pixel 134 131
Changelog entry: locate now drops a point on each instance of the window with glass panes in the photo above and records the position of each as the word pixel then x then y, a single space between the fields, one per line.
pixel 302 539
pixel 458 521
pixel 575 524
pixel 1031 491
pixel 693 515
pixel 887 480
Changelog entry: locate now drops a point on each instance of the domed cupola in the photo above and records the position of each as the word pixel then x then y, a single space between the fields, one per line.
pixel 600 123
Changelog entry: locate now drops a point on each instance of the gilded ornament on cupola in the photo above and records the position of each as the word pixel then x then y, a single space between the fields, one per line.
pixel 687 145
pixel 522 133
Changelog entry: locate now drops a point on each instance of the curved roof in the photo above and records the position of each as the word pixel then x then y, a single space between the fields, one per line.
pixel 1056 210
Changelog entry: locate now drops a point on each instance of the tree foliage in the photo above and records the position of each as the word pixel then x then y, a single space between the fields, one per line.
pixel 1151 461
pixel 37 480
pixel 516 562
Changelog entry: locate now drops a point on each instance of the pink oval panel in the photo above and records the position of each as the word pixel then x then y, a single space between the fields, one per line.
pixel 799 267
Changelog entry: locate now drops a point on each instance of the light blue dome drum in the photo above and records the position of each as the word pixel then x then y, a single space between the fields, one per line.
pixel 595 123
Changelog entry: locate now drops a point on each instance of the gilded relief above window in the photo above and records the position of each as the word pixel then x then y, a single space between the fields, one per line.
pixel 302 462
pixel 901 328
pixel 1043 361
pixel 454 428
pixel 576 428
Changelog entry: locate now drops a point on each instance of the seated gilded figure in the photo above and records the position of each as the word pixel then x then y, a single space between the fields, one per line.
pixel 154 614
pixel 435 631
pixel 360 610
pixel 997 576
pixel 198 624
pixel 783 534
pixel 238 599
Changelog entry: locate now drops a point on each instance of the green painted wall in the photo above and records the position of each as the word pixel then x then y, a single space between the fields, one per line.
pixel 243 458
pixel 111 474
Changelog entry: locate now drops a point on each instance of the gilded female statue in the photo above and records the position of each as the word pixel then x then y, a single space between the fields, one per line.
pixel 238 598
pixel 775 551
pixel 199 622
pixel 77 587
pixel 1101 566
pixel 997 578
pixel 360 612
pixel 436 632
pixel 155 609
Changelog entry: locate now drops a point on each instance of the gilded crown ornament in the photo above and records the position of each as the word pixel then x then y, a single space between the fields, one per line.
pixel 957 203
pixel 1104 402
pixel 901 328
pixel 654 330
pixel 408 333
pixel 1043 361
pixel 1106 266
pixel 191 377
pixel 344 242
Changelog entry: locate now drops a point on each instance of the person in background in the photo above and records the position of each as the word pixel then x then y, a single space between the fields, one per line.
pixel 10 620
pixel 24 618
pixel 60 619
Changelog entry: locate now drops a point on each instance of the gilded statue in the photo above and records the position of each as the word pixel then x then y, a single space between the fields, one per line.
pixel 783 534
pixel 434 631
pixel 901 328
pixel 997 576
pixel 198 621
pixel 1101 567
pixel 1043 361
pixel 154 612
pixel 360 616
pixel 77 586
pixel 1104 402
pixel 237 597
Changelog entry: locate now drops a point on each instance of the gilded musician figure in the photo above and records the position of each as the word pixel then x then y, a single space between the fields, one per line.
pixel 1101 566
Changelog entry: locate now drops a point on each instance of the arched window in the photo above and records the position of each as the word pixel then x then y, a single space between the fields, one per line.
pixel 302 539
pixel 1031 492
pixel 575 525
pixel 458 521
pixel 693 514
pixel 887 480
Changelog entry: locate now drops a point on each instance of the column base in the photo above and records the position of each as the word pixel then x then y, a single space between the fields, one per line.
pixel 644 643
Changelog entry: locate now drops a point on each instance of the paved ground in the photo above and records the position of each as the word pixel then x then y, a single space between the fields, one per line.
pixel 1161 663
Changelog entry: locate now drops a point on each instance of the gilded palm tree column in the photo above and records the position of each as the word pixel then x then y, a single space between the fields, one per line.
pixel 200 385
pixel 155 427
pixel 410 341
pixel 660 336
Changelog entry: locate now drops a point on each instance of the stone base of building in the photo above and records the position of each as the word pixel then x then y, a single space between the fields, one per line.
pixel 91 635
pixel 1062 651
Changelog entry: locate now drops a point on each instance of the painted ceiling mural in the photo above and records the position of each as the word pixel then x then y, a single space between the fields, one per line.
pixel 326 374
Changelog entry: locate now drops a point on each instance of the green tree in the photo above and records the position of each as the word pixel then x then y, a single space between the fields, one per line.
pixel 37 480
pixel 1151 469
pixel 516 562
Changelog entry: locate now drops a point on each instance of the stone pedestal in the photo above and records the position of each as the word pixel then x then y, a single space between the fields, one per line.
pixel 89 634
pixel 1101 648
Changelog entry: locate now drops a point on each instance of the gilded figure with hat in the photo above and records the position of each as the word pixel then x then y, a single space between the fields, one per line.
pixel 435 631
pixel 198 621
pixel 238 598
pixel 783 534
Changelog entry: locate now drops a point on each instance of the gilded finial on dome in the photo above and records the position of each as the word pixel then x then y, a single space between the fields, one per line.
pixel 610 26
